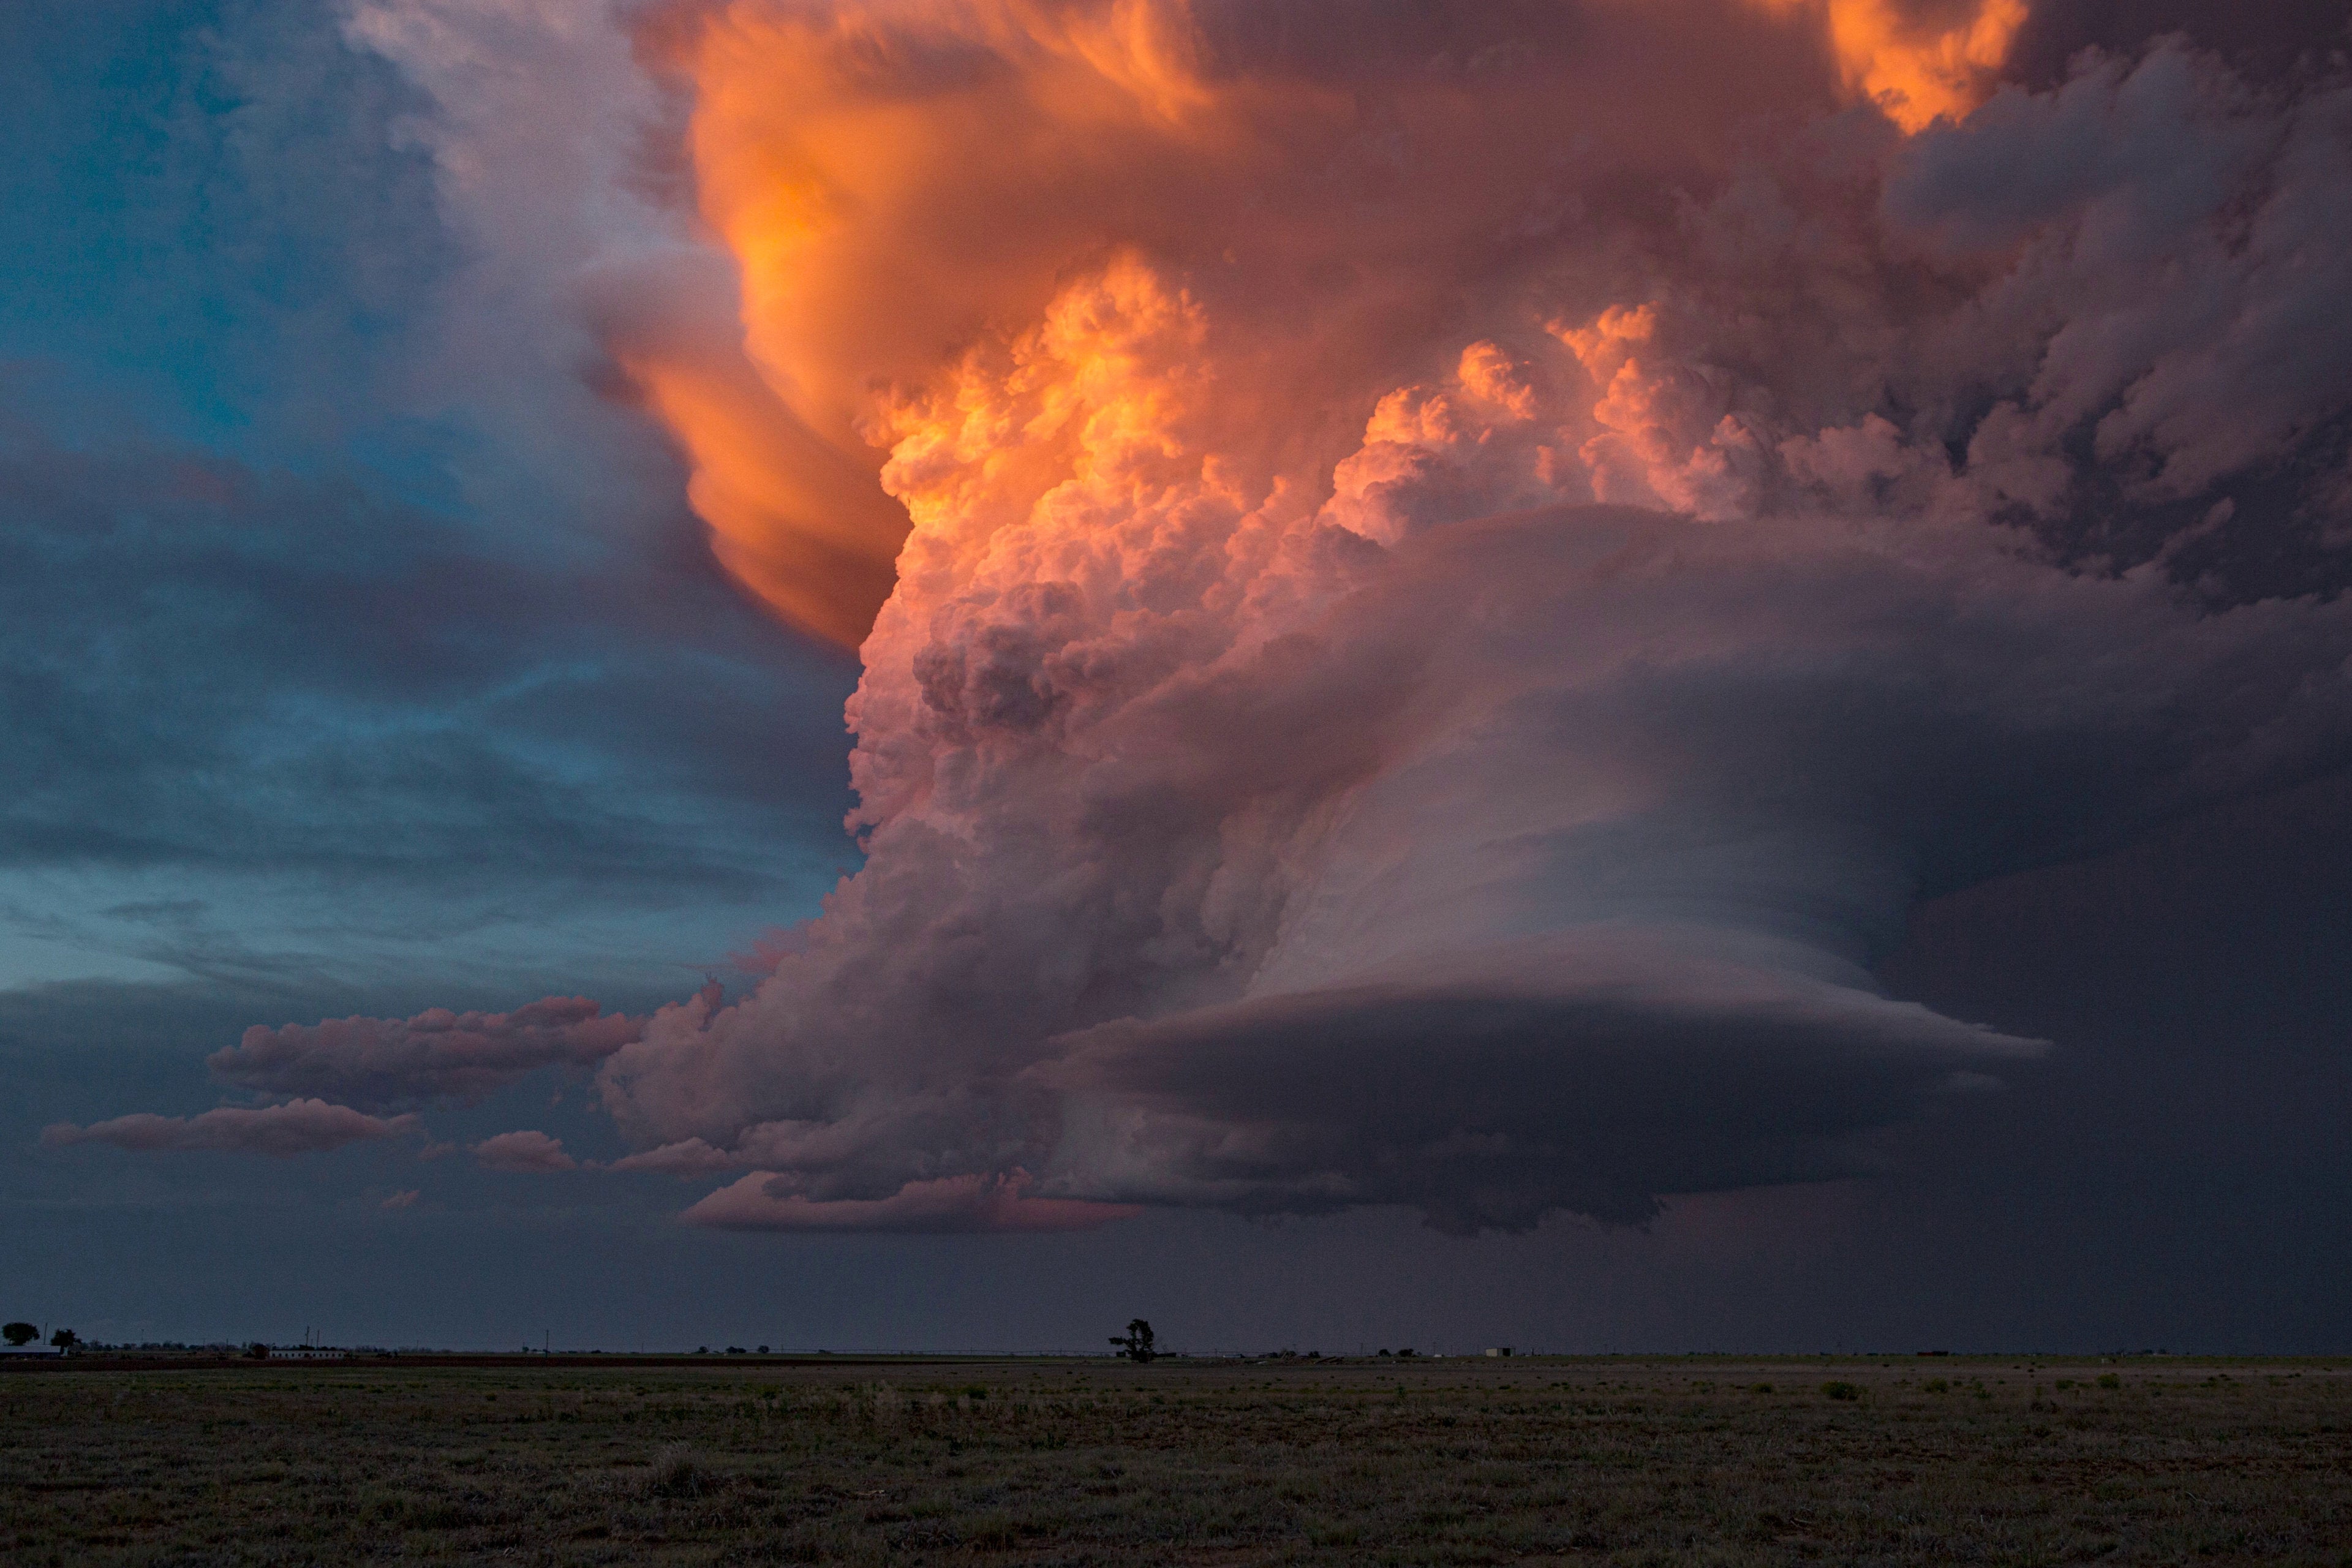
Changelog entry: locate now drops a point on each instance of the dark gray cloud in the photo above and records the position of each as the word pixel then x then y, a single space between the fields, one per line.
pixel 1586 1074
pixel 2263 38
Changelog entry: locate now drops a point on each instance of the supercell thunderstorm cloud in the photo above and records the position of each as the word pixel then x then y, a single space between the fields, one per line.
pixel 1435 581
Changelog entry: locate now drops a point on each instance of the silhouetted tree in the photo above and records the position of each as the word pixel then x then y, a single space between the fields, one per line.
pixel 20 1333
pixel 65 1339
pixel 1136 1343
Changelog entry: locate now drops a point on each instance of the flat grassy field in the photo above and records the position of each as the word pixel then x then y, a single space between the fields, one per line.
pixel 1528 1460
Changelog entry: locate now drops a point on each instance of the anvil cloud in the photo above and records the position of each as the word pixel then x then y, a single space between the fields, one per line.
pixel 1435 581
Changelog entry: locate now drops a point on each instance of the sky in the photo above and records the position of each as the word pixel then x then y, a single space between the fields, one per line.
pixel 1601 675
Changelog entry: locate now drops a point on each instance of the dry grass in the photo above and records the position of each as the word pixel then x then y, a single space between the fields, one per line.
pixel 1684 1461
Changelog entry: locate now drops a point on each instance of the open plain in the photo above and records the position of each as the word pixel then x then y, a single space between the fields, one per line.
pixel 724 1460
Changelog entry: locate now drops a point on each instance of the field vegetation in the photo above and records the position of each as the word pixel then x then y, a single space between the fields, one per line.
pixel 1527 1460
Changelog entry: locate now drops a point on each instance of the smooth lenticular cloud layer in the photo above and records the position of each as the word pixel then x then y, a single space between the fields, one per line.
pixel 1459 568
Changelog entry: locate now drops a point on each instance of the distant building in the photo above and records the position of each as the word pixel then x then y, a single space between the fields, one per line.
pixel 1498 1350
pixel 307 1352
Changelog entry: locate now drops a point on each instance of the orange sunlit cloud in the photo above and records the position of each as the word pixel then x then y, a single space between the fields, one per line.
pixel 896 180
pixel 831 167
pixel 1917 70
pixel 798 521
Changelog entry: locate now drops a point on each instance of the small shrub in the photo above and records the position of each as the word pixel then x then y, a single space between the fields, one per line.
pixel 1759 1388
pixel 674 1475
pixel 1837 1389
pixel 2110 1380
pixel 1937 1386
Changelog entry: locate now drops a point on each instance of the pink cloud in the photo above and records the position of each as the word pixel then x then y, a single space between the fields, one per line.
pixel 437 1054
pixel 688 1157
pixel 764 1201
pixel 401 1200
pixel 770 948
pixel 525 1150
pixel 298 1127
